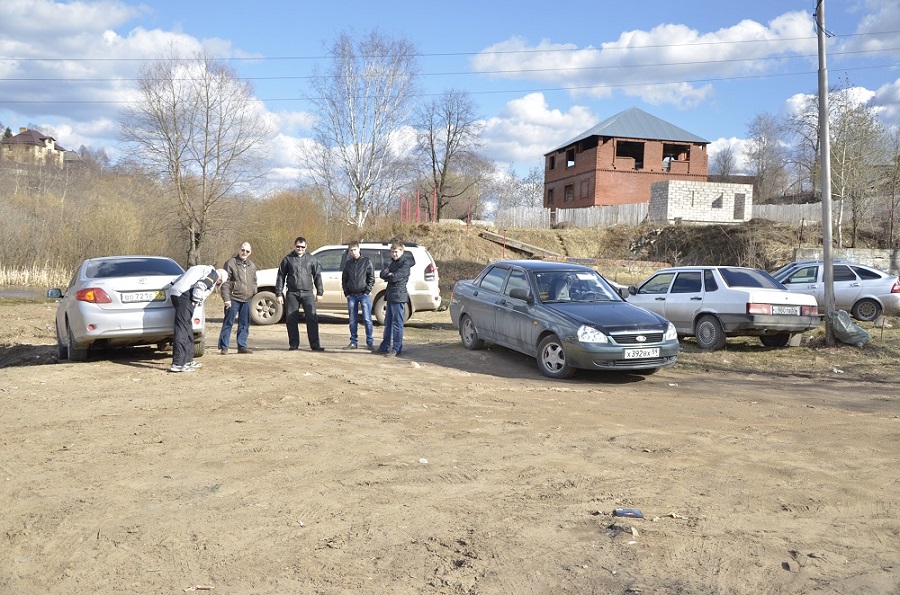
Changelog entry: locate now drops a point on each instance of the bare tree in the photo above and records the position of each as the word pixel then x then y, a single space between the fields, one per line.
pixel 765 152
pixel 724 162
pixel 198 127
pixel 362 100
pixel 858 144
pixel 448 130
pixel 890 184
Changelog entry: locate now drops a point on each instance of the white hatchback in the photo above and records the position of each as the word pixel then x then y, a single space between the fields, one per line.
pixel 423 286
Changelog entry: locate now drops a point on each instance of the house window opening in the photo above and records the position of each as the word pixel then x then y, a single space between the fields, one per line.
pixel 626 149
pixel 673 152
pixel 570 193
pixel 570 157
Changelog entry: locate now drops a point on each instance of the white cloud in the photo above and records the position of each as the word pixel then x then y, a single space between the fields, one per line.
pixel 670 63
pixel 527 128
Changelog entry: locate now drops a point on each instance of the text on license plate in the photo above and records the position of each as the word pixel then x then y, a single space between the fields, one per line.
pixel 641 353
pixel 143 296
pixel 790 310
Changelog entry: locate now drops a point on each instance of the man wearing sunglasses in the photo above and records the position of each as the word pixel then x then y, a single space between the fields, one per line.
pixel 299 283
pixel 236 293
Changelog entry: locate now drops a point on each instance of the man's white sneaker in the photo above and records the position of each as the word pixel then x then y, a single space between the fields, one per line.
pixel 184 368
pixel 193 364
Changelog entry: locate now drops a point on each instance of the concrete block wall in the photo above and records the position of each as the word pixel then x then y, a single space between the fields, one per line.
pixel 674 201
pixel 885 260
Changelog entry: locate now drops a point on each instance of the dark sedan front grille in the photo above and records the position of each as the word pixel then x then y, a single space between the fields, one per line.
pixel 625 364
pixel 632 338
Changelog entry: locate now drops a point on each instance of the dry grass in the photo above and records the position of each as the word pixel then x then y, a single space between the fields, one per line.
pixel 877 361
pixel 34 277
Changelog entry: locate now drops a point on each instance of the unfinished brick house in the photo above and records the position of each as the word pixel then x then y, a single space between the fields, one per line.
pixel 617 161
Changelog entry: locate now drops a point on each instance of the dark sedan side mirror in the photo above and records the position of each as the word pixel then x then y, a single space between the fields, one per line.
pixel 631 290
pixel 520 294
pixel 54 293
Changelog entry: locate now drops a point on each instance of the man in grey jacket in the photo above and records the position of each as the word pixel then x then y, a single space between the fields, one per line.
pixel 236 293
pixel 299 283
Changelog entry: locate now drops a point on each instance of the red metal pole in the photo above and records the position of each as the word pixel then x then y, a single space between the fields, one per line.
pixel 418 208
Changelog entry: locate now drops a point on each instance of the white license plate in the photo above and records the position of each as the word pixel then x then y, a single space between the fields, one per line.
pixel 641 353
pixel 789 310
pixel 143 296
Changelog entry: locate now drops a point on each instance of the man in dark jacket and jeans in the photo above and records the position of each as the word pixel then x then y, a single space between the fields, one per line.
pixel 236 293
pixel 396 274
pixel 299 283
pixel 357 280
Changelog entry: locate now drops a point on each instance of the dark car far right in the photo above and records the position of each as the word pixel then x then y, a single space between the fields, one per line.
pixel 863 291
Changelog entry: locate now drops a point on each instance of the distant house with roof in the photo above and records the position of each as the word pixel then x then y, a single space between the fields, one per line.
pixel 33 148
pixel 617 161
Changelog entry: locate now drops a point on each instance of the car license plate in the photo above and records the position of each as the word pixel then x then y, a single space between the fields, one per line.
pixel 789 310
pixel 641 353
pixel 143 296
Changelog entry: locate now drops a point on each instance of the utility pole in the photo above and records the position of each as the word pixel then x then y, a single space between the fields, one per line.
pixel 825 167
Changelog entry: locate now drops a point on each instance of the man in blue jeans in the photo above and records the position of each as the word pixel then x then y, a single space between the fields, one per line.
pixel 396 273
pixel 357 280
pixel 236 293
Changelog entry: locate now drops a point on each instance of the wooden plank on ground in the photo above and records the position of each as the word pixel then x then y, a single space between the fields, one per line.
pixel 519 246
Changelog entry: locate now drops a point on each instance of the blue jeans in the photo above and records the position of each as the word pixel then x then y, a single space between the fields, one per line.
pixel 353 303
pixel 393 327
pixel 241 311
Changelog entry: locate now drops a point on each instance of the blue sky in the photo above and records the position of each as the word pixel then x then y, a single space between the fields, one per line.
pixel 539 74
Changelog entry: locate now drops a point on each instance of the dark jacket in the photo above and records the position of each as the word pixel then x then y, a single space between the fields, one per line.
pixel 299 273
pixel 397 275
pixel 241 284
pixel 358 276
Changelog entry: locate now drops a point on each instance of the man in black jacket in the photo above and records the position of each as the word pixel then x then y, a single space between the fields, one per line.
pixel 357 280
pixel 396 273
pixel 299 283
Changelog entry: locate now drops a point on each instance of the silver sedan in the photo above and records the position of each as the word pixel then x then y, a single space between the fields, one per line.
pixel 118 301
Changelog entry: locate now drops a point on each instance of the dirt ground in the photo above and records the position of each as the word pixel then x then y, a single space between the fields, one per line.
pixel 442 471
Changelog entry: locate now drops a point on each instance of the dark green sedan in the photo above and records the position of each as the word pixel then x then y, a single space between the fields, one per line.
pixel 567 316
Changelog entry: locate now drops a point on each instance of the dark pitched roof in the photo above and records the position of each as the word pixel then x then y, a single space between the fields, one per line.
pixel 30 137
pixel 636 123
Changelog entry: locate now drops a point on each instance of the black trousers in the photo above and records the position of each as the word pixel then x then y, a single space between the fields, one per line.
pixel 293 300
pixel 183 344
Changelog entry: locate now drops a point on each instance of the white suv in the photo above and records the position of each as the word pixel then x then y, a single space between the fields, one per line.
pixel 423 289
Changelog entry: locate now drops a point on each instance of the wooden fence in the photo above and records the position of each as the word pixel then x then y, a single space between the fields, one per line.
pixel 635 214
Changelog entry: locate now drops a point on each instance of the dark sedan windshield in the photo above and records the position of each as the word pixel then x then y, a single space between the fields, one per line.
pixel 574 286
pixel 132 267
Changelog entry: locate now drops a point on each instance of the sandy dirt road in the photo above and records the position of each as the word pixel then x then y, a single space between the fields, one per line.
pixel 443 471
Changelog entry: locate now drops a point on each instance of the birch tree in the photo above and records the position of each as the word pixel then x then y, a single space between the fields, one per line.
pixel 197 127
pixel 362 100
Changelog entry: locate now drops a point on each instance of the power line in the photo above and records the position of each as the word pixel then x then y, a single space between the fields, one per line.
pixel 470 53
pixel 479 72
pixel 492 92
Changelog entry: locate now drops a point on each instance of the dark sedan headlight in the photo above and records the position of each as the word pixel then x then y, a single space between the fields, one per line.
pixel 670 333
pixel 589 334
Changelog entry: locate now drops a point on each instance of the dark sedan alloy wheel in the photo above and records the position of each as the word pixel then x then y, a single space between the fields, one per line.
pixel 552 358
